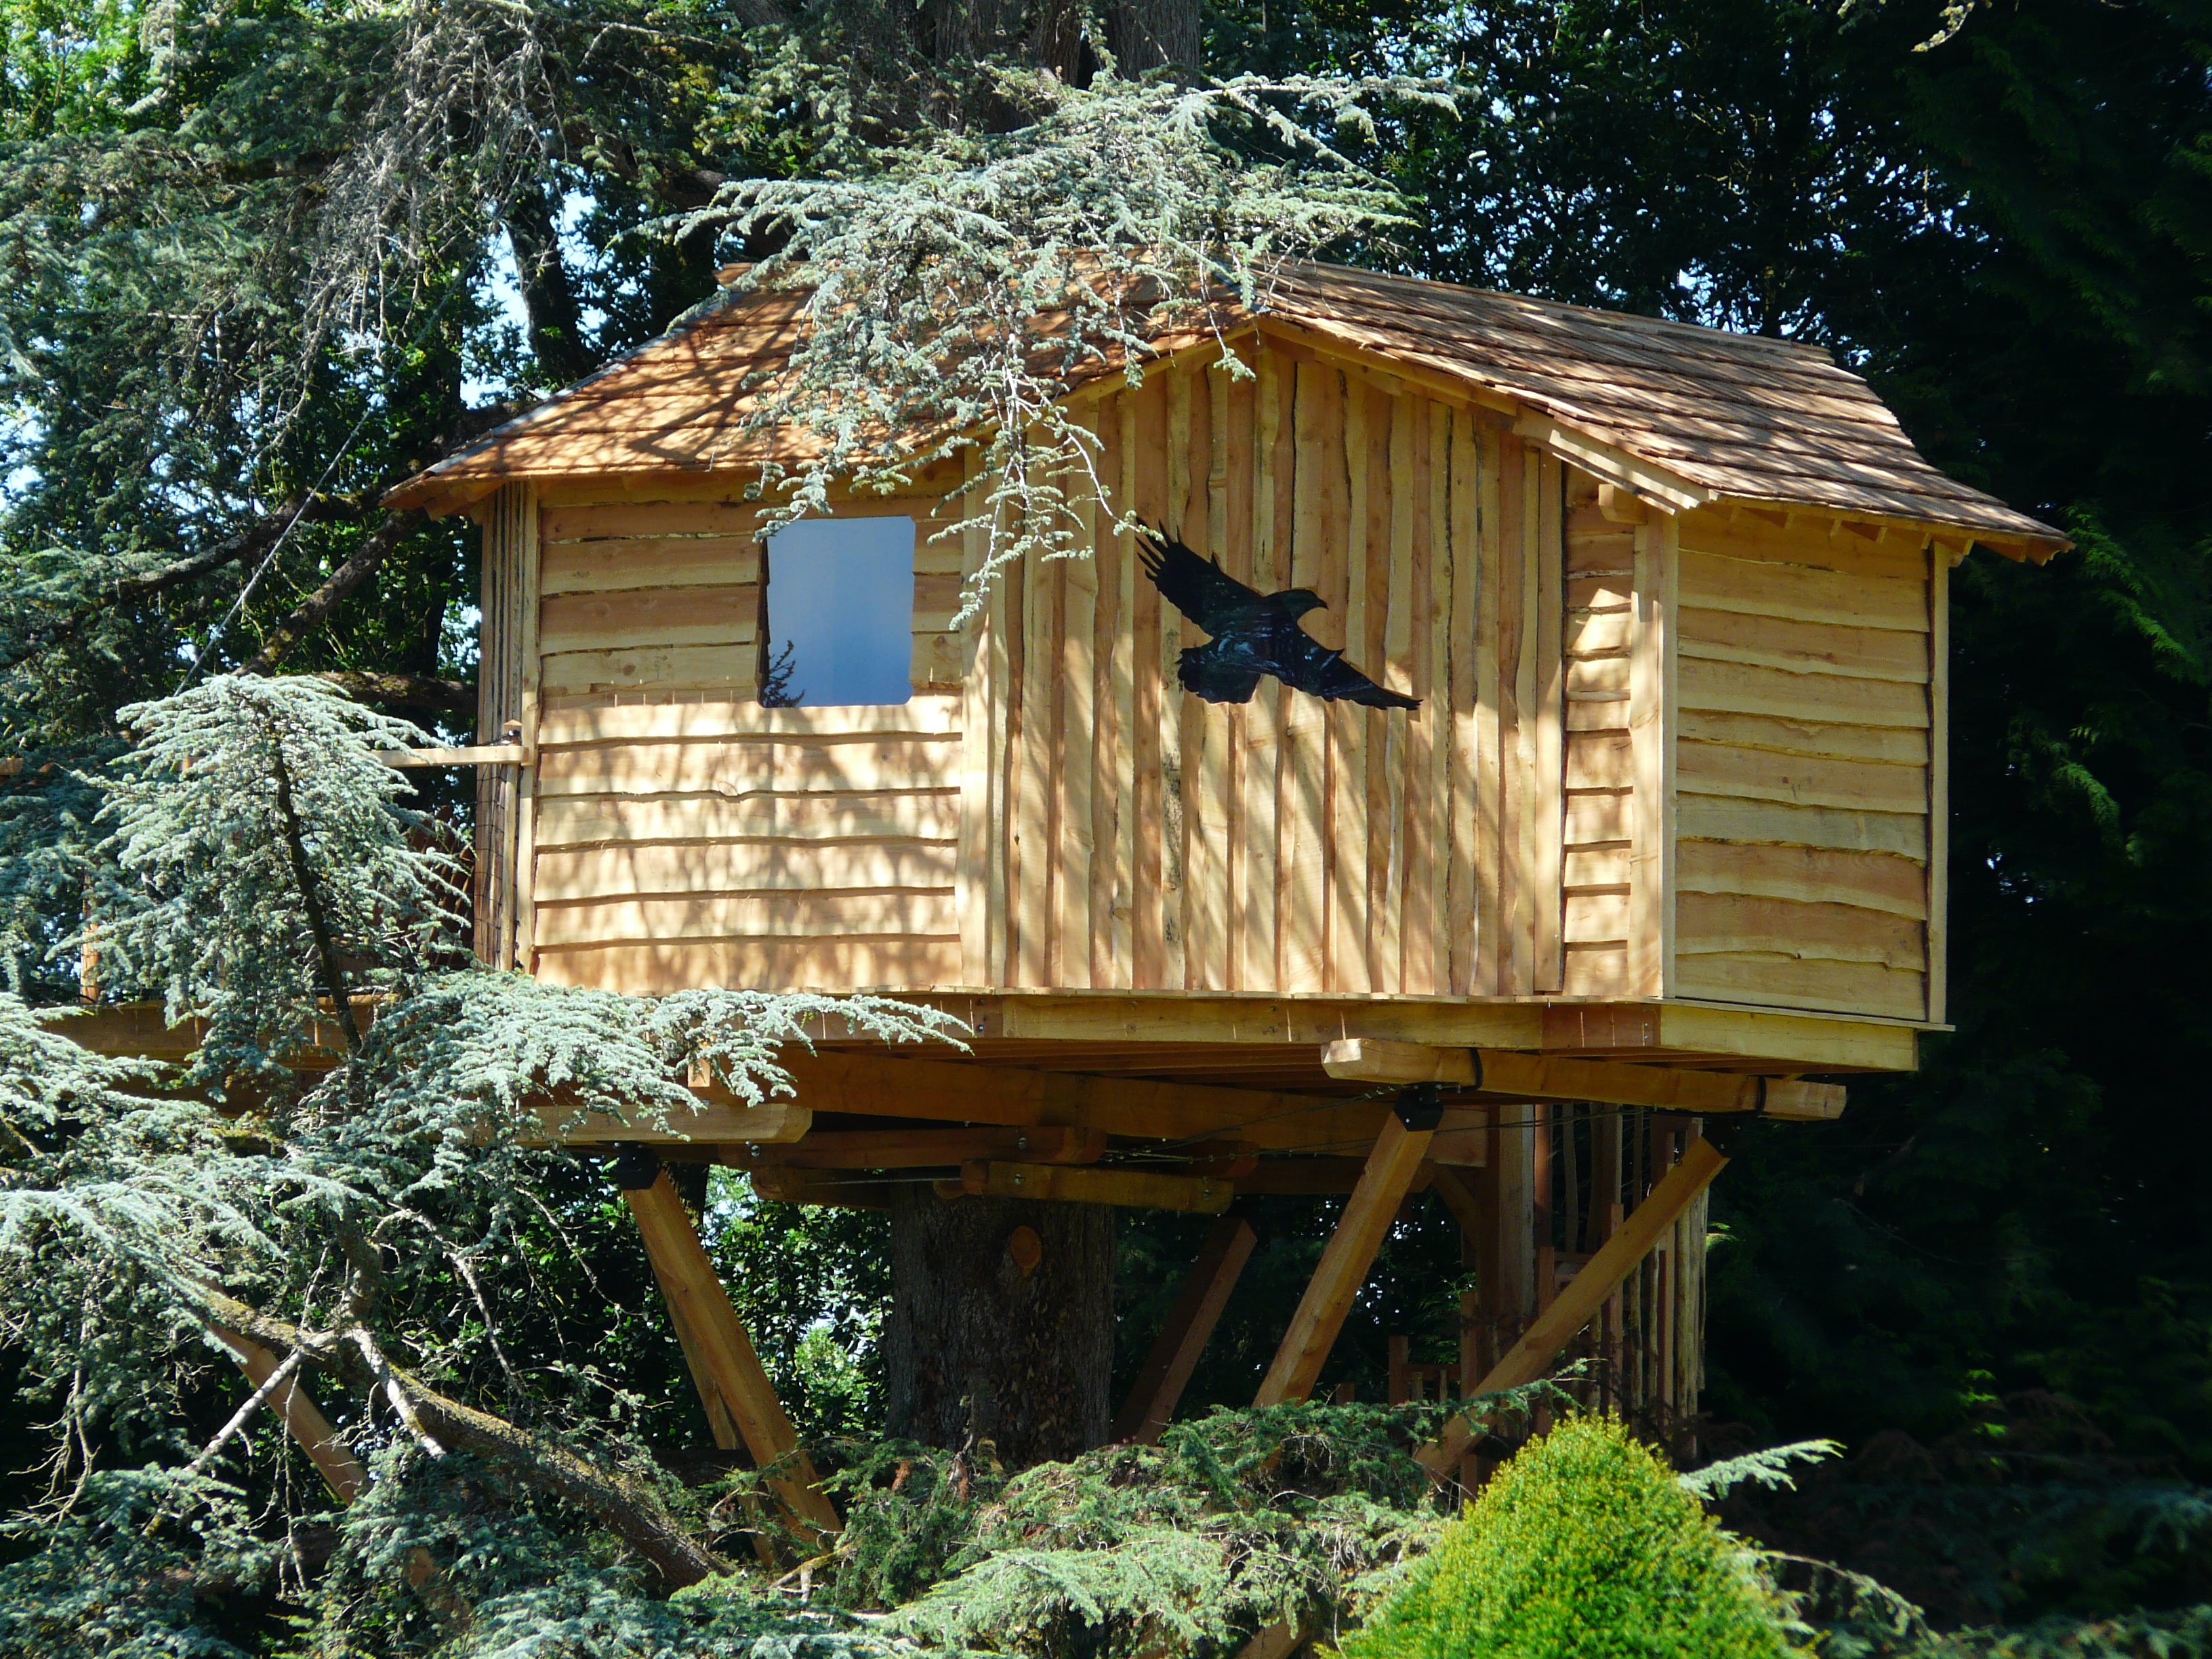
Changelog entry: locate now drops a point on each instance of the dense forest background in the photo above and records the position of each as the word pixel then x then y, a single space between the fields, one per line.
pixel 2000 212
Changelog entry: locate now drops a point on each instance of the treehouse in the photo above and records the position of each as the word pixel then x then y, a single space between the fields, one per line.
pixel 1588 772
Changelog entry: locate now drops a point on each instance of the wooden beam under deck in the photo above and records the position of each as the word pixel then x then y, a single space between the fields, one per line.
pixel 1544 1078
pixel 1263 1039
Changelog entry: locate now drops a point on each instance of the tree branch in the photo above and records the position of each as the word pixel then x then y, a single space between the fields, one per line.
pixel 310 901
pixel 629 1508
pixel 425 692
pixel 246 544
pixel 315 610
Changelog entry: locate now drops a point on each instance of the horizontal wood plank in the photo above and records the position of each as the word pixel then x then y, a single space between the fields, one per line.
pixel 1876 881
pixel 1825 545
pixel 735 718
pixel 1875 653
pixel 1783 982
pixel 1800 594
pixel 1722 769
pixel 743 866
pixel 1600 760
pixel 1739 689
pixel 657 967
pixel 1596 971
pixel 833 765
pixel 688 666
pixel 1597 918
pixel 1730 924
pixel 1718 818
pixel 684 616
pixel 585 820
pixel 747 915
pixel 1899 744
pixel 1595 816
pixel 1587 867
pixel 647 518
pixel 687 561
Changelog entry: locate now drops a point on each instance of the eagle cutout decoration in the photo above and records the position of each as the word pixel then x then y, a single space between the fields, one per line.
pixel 1254 634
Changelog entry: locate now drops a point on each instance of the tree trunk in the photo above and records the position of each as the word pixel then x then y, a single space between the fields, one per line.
pixel 981 1347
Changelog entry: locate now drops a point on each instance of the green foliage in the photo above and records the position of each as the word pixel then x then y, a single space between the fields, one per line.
pixel 1584 1543
pixel 1235 1521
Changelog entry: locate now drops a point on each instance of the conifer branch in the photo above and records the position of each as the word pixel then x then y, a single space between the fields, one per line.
pixel 311 898
pixel 316 609
pixel 627 1506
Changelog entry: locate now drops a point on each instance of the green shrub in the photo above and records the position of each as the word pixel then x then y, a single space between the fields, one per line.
pixel 1585 1547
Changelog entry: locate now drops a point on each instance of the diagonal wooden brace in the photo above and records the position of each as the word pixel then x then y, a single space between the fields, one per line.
pixel 697 1302
pixel 1151 1402
pixel 1344 1263
pixel 1600 1276
pixel 341 1470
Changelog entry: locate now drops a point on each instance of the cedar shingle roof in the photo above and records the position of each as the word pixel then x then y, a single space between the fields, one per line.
pixel 1719 416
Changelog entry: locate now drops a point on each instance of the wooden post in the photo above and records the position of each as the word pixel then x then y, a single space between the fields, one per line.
pixel 1619 1255
pixel 1151 1406
pixel 696 1298
pixel 1350 1253
pixel 1508 1250
pixel 341 1470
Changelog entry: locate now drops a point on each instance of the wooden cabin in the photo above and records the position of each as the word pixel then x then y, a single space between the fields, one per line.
pixel 1665 828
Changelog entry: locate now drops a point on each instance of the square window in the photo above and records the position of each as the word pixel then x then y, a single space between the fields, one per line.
pixel 837 613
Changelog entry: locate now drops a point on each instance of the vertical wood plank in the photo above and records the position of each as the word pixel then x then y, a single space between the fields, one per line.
pixel 1549 821
pixel 1426 949
pixel 1464 921
pixel 1128 631
pixel 1033 796
pixel 1527 804
pixel 1348 908
pixel 1451 605
pixel 977 694
pixel 1206 725
pixel 1109 663
pixel 1174 778
pixel 1500 592
pixel 1234 408
pixel 1005 676
pixel 1305 874
pixel 1939 780
pixel 1651 725
pixel 525 783
pixel 1272 491
pixel 1145 470
pixel 1392 931
pixel 1074 755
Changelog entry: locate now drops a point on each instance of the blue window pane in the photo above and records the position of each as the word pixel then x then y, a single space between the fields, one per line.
pixel 841 601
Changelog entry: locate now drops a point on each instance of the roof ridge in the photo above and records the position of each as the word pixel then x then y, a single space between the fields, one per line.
pixel 1637 319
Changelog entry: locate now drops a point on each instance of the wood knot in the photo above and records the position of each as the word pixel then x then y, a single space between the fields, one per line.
pixel 1026 1249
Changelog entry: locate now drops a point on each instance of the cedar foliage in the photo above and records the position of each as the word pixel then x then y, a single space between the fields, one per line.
pixel 1584 1543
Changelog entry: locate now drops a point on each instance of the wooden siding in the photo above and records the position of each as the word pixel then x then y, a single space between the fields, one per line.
pixel 504 684
pixel 1654 756
pixel 686 836
pixel 1805 770
pixel 1142 838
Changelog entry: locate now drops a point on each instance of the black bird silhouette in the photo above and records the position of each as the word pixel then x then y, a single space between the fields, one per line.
pixel 1254 634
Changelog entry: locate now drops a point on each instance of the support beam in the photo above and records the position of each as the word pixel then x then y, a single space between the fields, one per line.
pixel 774 1123
pixel 951 1091
pixel 687 1275
pixel 1131 1189
pixel 1350 1253
pixel 1600 1276
pixel 341 1470
pixel 1538 1077
pixel 921 1149
pixel 1152 1403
